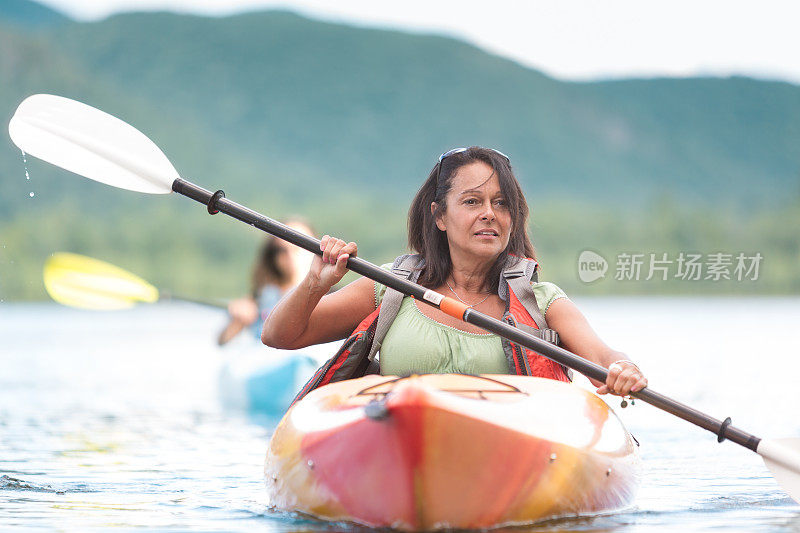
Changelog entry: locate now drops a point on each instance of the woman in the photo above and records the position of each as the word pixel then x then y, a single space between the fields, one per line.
pixel 468 221
pixel 279 267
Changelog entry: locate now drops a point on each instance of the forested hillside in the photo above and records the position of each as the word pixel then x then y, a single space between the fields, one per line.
pixel 341 124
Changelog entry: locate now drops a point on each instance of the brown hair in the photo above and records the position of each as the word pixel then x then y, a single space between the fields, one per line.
pixel 267 270
pixel 426 239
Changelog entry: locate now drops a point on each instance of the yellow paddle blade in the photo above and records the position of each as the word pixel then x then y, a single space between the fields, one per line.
pixel 80 281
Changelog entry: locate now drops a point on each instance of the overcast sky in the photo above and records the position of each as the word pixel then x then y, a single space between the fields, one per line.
pixel 567 39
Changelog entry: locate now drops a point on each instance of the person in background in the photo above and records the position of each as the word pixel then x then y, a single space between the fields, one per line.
pixel 279 267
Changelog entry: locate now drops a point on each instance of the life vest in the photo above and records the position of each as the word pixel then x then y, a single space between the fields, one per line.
pixel 356 356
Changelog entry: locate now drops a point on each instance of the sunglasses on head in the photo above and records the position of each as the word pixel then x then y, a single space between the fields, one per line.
pixel 458 151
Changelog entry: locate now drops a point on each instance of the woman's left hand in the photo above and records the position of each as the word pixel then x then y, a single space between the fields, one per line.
pixel 243 310
pixel 623 378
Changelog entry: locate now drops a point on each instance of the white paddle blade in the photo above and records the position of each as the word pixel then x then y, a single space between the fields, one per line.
pixel 91 143
pixel 782 457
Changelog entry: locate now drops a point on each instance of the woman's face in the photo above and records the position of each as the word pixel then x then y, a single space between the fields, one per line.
pixel 476 218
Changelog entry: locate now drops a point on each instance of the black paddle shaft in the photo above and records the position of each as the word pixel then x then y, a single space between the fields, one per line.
pixel 216 202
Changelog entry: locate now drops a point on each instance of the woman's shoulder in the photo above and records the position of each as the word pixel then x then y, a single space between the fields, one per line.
pixel 546 286
pixel 546 293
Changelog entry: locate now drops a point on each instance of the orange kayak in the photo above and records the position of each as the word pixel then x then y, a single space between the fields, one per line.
pixel 450 451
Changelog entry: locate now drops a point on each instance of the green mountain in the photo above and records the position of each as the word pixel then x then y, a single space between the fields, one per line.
pixel 374 107
pixel 291 115
pixel 29 14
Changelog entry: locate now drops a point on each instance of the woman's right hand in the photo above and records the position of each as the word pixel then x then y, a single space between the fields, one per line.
pixel 328 270
pixel 310 313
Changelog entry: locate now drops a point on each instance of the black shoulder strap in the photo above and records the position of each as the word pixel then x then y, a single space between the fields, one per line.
pixel 518 277
pixel 407 267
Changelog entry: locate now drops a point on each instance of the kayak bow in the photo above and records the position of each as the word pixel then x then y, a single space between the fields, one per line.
pixel 450 451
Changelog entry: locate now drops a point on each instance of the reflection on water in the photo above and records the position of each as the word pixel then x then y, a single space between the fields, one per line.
pixel 113 419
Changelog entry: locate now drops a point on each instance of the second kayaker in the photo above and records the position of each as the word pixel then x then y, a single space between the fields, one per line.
pixel 468 225
pixel 279 267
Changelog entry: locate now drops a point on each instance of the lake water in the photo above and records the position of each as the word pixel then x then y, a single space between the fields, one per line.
pixel 113 419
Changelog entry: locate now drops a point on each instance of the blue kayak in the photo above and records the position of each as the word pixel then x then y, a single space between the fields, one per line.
pixel 264 381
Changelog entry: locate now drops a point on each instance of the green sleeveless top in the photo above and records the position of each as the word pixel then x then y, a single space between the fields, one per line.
pixel 416 343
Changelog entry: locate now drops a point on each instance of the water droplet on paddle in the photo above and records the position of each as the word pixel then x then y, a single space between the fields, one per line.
pixel 25 164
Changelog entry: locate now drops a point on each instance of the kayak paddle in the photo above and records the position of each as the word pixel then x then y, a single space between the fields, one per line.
pixel 79 281
pixel 94 144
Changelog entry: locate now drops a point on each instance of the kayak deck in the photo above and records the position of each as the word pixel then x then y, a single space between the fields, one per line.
pixel 450 451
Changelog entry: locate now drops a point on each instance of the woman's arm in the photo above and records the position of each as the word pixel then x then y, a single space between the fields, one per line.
pixel 242 312
pixel 308 314
pixel 578 337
